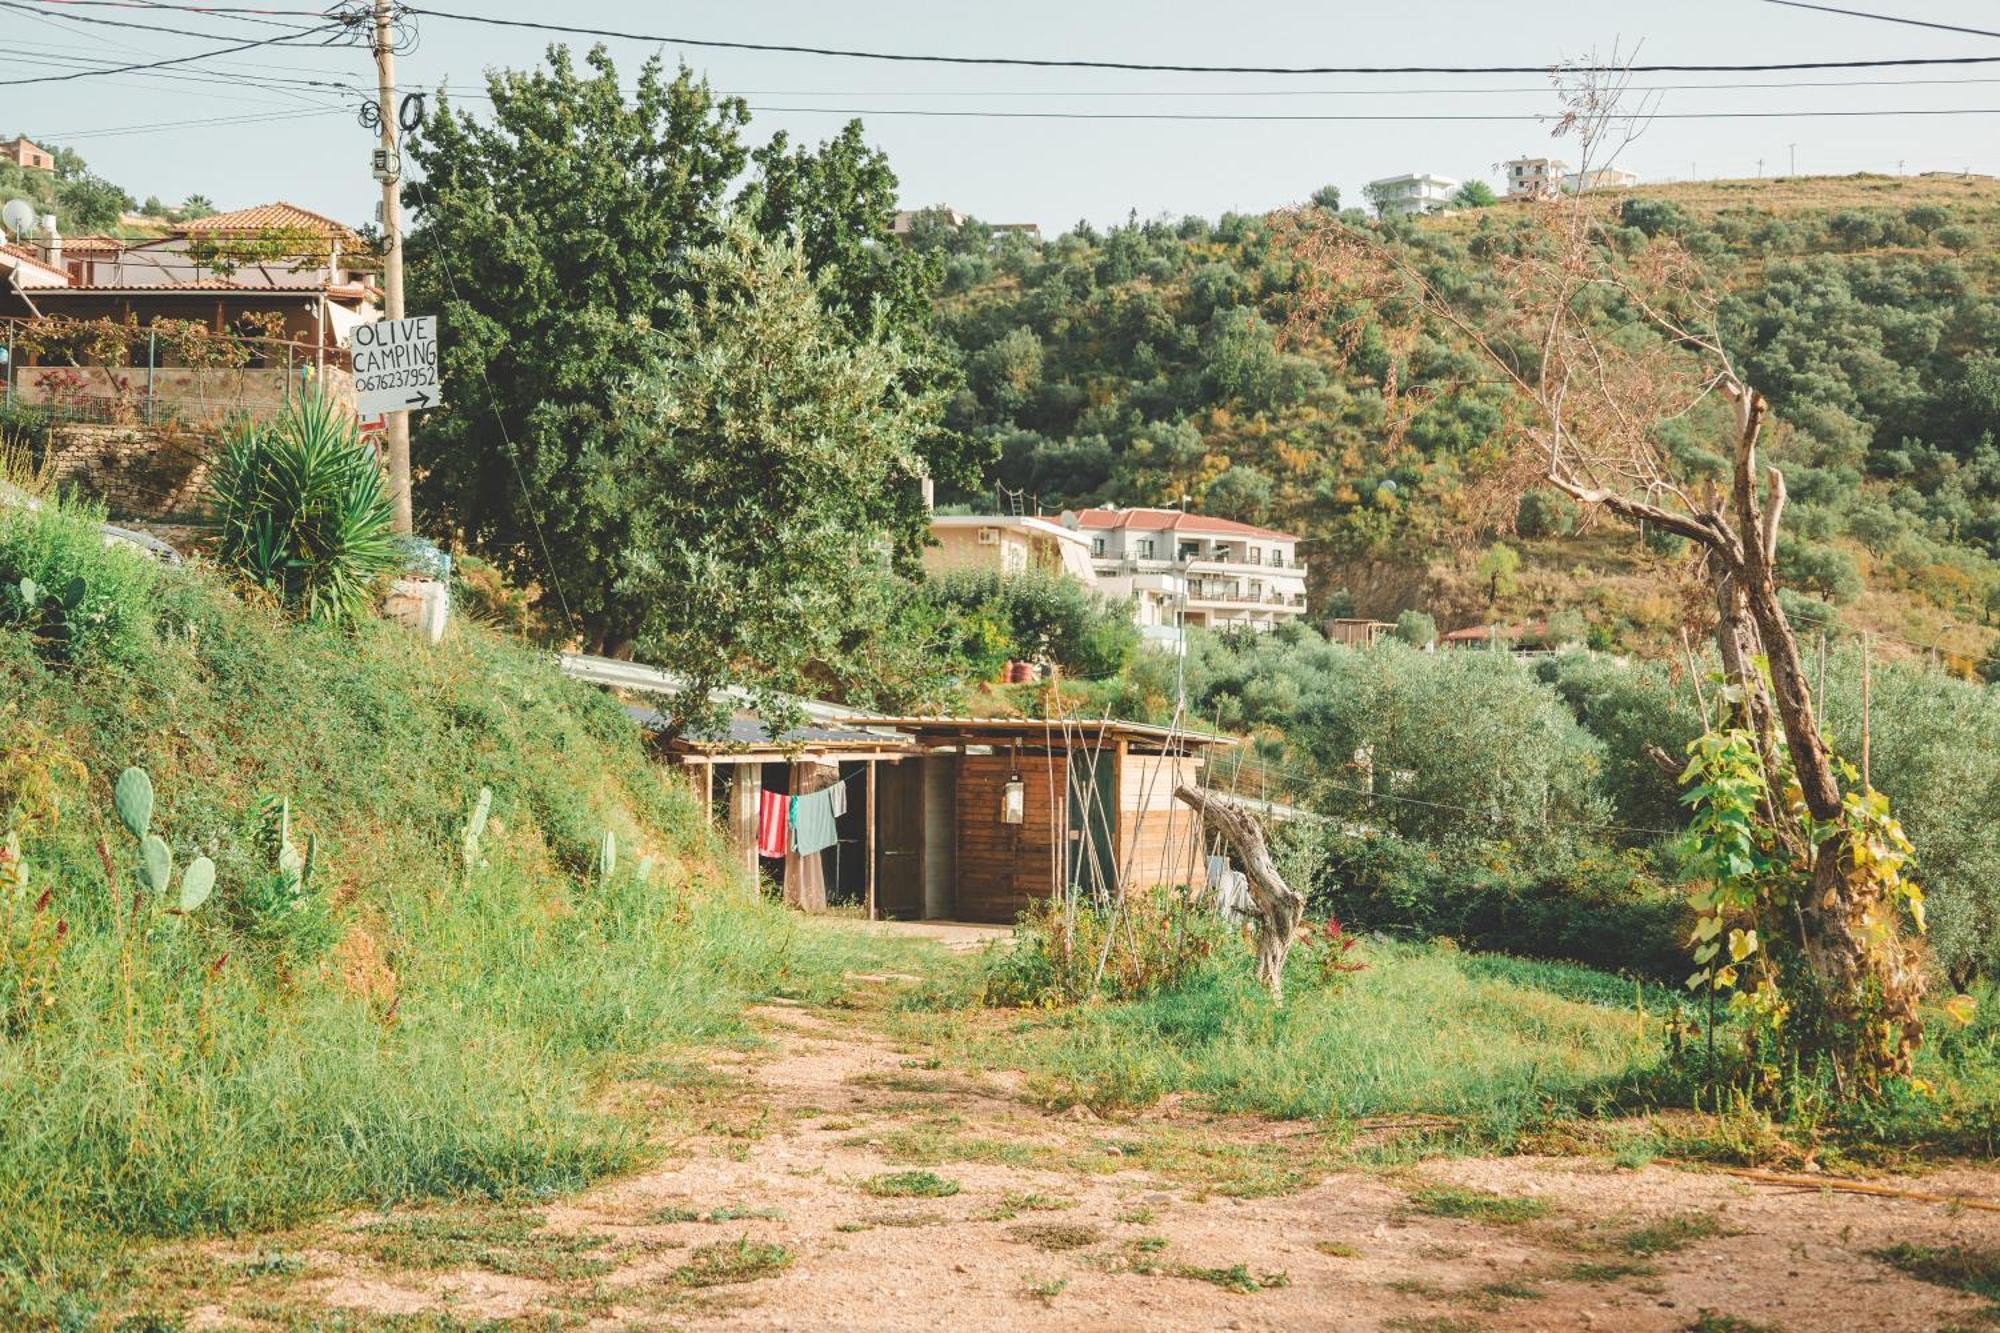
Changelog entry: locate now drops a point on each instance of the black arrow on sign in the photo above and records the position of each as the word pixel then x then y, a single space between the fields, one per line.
pixel 421 399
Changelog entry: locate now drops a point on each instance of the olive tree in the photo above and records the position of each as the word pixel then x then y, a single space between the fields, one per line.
pixel 1601 348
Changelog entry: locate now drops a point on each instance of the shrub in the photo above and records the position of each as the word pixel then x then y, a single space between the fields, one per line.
pixel 303 511
pixel 1044 616
pixel 1416 629
pixel 82 602
pixel 1543 513
pixel 1572 900
pixel 1158 942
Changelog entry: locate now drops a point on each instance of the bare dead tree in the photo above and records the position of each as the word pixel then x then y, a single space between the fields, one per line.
pixel 1279 905
pixel 1601 350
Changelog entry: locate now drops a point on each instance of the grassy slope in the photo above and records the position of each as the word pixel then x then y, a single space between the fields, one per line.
pixel 413 1030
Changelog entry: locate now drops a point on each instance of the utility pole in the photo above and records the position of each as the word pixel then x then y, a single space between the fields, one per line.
pixel 1795 159
pixel 1760 168
pixel 390 173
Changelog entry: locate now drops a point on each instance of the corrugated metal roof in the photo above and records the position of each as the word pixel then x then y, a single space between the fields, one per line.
pixel 748 733
pixel 1084 729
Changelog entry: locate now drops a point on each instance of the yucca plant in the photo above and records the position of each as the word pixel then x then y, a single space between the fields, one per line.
pixel 303 510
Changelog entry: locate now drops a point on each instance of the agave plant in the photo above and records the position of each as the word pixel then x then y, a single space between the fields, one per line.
pixel 303 510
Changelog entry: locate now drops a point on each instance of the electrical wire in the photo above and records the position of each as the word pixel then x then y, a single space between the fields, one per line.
pixel 1165 93
pixel 119 131
pixel 142 27
pixel 1052 63
pixel 153 64
pixel 295 92
pixel 1885 18
pixel 1327 117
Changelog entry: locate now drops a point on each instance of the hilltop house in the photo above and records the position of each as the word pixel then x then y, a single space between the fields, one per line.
pixel 1418 192
pixel 22 153
pixel 1189 569
pixel 1599 178
pixel 1535 177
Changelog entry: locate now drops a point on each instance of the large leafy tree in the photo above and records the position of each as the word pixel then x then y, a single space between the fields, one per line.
pixel 765 451
pixel 556 238
pixel 550 236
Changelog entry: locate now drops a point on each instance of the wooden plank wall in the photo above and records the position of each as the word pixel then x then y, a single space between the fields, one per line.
pixel 1158 846
pixel 940 815
pixel 1002 867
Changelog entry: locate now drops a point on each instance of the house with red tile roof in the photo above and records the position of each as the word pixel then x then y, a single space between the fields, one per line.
pixel 291 283
pixel 1182 569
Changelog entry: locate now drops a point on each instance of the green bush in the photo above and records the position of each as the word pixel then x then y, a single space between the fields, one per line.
pixel 1044 617
pixel 1416 629
pixel 78 600
pixel 1571 901
pixel 302 509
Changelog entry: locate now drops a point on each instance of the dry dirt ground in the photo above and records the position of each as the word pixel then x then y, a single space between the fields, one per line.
pixel 832 1178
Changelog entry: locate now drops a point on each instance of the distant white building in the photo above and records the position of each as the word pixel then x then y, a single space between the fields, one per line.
pixel 1401 196
pixel 1188 569
pixel 1535 177
pixel 1600 178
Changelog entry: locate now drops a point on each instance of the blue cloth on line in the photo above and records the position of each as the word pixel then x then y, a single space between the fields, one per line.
pixel 812 822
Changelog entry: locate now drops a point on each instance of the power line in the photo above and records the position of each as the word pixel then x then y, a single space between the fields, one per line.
pixel 1270 116
pixel 296 92
pixel 154 64
pixel 1165 93
pixel 1885 18
pixel 1051 63
pixel 146 27
pixel 116 131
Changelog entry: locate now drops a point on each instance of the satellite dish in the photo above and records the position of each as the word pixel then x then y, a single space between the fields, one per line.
pixel 19 215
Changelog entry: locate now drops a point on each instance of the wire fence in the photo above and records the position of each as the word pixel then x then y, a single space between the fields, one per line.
pixel 143 382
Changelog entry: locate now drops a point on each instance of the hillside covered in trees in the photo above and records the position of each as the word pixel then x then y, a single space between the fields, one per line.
pixel 1168 359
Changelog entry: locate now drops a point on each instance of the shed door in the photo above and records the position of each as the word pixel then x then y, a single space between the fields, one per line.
pixel 899 840
pixel 1093 796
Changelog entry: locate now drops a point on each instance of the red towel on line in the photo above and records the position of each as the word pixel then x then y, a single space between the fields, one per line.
pixel 773 828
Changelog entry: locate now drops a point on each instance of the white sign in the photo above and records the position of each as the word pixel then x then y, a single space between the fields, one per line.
pixel 396 365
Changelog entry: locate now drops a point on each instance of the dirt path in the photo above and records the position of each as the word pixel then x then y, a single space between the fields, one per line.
pixel 786 1210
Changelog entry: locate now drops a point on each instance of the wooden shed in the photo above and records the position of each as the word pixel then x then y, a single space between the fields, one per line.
pixel 992 814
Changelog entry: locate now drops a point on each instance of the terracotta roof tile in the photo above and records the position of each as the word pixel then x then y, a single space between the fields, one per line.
pixel 280 216
pixel 1173 520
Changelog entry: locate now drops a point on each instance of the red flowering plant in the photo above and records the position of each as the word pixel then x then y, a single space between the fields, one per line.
pixel 1328 950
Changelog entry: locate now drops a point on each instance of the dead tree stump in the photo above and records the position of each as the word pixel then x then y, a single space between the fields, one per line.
pixel 1279 906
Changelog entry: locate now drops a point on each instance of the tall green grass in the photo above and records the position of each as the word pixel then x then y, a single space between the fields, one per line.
pixel 1418 1030
pixel 452 1033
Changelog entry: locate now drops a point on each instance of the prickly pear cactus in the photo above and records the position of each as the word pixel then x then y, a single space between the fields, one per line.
pixel 197 882
pixel 156 863
pixel 133 797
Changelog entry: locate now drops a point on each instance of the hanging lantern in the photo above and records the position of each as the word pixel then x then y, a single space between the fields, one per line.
pixel 1014 801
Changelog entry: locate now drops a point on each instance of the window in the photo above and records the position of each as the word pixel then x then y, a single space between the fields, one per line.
pixel 1256 554
pixel 1189 551
pixel 1097 547
pixel 1145 551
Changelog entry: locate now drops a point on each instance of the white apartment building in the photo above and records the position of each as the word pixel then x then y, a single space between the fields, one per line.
pixel 1400 196
pixel 1535 177
pixel 1186 569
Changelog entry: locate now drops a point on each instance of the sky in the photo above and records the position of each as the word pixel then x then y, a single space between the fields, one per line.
pixel 303 143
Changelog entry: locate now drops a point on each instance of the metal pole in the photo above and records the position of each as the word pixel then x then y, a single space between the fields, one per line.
pixel 152 362
pixel 392 268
